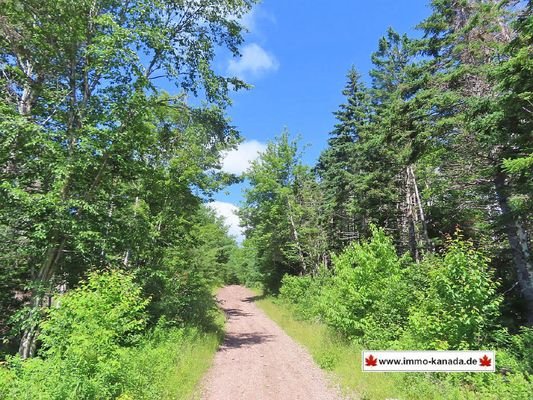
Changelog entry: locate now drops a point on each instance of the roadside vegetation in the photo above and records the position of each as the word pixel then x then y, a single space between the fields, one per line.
pixel 413 229
pixel 373 299
pixel 342 360
pixel 96 345
pixel 109 253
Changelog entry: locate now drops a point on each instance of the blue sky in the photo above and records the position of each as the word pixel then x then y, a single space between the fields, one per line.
pixel 296 56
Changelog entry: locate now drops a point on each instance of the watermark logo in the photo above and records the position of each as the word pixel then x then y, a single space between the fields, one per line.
pixel 428 361
pixel 485 361
pixel 371 361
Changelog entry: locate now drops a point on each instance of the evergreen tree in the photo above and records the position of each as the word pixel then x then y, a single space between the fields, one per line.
pixel 338 165
pixel 470 42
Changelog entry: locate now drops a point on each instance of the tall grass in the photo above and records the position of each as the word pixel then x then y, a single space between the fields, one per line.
pixel 343 360
pixel 96 346
pixel 167 364
pixel 170 368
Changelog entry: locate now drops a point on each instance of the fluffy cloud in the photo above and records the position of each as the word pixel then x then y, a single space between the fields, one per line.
pixel 254 61
pixel 228 212
pixel 238 160
pixel 248 20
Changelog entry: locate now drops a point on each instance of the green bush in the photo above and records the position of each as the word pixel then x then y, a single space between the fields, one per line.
pixel 179 296
pixel 81 341
pixel 368 296
pixel 243 266
pixel 504 384
pixel 7 378
pixel 445 302
pixel 167 364
pixel 517 348
pixel 102 313
pixel 294 289
pixel 180 290
pixel 95 347
pixel 522 348
pixel 459 308
pixel 304 293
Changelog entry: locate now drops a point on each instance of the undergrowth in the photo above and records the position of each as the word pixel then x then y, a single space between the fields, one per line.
pixel 96 346
pixel 342 359
pixel 374 299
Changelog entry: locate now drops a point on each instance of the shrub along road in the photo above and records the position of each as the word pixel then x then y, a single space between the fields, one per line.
pixel 258 360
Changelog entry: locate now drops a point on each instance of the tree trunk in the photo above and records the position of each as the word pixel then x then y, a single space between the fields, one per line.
pixel 518 242
pixel 26 99
pixel 420 210
pixel 296 239
pixel 411 217
pixel 28 342
pixel 414 223
pixel 127 253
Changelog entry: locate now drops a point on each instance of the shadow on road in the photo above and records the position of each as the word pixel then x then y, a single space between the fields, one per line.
pixel 253 298
pixel 238 340
pixel 235 312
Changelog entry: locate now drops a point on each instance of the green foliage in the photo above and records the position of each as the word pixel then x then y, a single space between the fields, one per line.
pixel 95 347
pixel 181 281
pixel 519 165
pixel 522 348
pixel 369 295
pixel 339 356
pixel 516 350
pixel 98 166
pixel 92 320
pixel 7 381
pixel 379 300
pixel 339 167
pixel 281 215
pixel 180 294
pixel 294 289
pixel 82 338
pixel 440 140
pixel 212 248
pixel 165 364
pixel 459 307
pixel 303 293
pixel 243 265
pixel 385 301
pixel 269 207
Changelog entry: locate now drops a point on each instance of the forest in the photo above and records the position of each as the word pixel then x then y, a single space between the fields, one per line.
pixel 412 230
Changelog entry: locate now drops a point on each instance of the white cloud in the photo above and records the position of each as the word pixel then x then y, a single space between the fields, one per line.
pixel 254 61
pixel 228 212
pixel 256 18
pixel 238 160
pixel 248 20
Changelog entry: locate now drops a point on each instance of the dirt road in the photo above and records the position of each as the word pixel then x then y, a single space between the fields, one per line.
pixel 257 360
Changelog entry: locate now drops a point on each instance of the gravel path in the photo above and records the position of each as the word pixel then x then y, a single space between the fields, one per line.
pixel 258 360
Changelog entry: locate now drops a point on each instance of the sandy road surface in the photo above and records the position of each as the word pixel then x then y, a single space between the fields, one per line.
pixel 258 360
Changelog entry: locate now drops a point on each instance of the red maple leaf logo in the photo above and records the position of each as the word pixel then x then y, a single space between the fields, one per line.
pixel 485 361
pixel 371 361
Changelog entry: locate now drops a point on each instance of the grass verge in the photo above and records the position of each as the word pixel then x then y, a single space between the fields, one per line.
pixel 343 360
pixel 171 368
pixel 168 363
